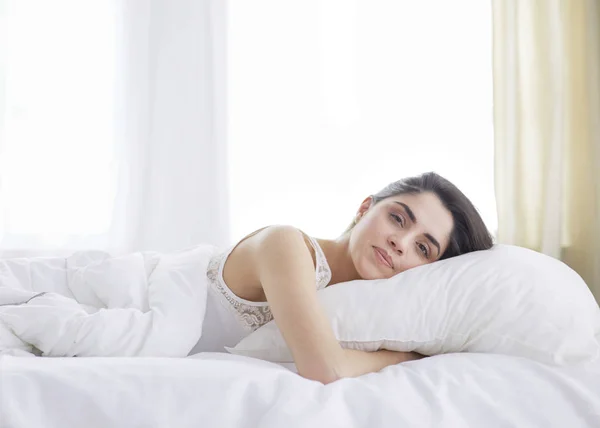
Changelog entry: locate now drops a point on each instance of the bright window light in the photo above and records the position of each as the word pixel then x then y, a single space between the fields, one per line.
pixel 56 161
pixel 329 101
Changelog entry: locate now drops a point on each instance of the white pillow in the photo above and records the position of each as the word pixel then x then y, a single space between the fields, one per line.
pixel 507 300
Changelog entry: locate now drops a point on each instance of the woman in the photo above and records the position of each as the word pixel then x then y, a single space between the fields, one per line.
pixel 271 273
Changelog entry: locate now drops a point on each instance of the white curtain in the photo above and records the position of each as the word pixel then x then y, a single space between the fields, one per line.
pixel 547 129
pixel 111 125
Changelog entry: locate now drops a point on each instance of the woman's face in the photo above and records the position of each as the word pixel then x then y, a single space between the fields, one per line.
pixel 399 233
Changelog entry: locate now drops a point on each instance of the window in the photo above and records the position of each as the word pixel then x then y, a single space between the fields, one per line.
pixel 57 143
pixel 329 101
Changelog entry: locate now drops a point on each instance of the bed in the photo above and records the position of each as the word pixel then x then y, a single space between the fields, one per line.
pixel 223 390
pixel 121 305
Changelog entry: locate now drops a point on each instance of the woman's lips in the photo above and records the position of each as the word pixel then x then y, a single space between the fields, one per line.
pixel 383 257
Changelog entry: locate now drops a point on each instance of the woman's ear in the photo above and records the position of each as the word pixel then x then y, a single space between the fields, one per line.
pixel 364 207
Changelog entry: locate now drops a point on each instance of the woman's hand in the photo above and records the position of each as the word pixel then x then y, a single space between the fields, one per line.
pixel 357 363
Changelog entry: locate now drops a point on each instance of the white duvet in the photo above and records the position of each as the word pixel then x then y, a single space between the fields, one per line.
pixel 90 304
pixel 229 391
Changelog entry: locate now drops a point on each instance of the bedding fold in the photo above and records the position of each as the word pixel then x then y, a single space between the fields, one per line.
pixel 92 304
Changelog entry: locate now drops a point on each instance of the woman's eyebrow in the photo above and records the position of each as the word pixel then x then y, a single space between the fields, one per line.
pixel 408 211
pixel 414 220
pixel 433 241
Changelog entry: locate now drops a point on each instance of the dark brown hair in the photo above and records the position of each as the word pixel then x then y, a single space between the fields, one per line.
pixel 469 232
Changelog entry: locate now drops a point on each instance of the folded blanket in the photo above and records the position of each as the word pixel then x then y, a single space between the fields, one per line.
pixel 92 304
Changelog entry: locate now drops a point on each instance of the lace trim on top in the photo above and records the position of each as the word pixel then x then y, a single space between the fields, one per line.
pixel 253 315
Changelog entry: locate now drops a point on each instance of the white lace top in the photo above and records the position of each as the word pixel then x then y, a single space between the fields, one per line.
pixel 230 318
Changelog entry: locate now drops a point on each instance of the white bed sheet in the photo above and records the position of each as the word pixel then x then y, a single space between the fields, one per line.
pixel 221 390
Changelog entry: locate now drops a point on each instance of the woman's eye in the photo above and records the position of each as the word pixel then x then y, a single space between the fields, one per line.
pixel 423 249
pixel 398 219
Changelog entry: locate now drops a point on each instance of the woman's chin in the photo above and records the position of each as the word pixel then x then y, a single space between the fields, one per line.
pixel 371 272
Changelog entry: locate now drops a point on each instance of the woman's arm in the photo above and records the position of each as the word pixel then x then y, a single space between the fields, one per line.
pixel 287 274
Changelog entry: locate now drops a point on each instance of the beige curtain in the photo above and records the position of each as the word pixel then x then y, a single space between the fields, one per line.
pixel 546 68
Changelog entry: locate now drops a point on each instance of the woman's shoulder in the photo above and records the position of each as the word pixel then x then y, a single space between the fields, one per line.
pixel 277 234
pixel 272 235
pixel 241 261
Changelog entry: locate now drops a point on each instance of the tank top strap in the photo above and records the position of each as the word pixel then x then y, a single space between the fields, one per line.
pixel 322 269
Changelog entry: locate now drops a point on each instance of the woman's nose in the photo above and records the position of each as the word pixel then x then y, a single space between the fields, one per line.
pixel 397 243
